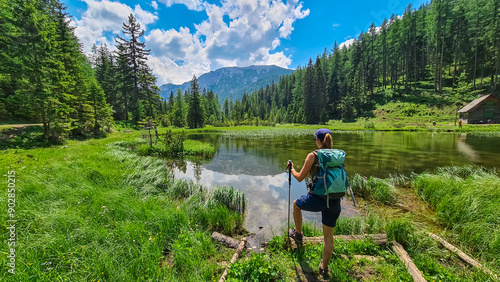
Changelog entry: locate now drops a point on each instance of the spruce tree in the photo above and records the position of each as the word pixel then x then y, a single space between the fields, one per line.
pixel 135 54
pixel 196 112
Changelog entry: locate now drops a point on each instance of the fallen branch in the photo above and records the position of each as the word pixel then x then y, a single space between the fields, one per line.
pixel 235 257
pixel 462 255
pixel 406 259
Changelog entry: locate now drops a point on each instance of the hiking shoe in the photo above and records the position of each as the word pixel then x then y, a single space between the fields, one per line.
pixel 296 236
pixel 323 271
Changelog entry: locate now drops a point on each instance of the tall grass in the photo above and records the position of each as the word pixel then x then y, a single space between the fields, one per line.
pixel 369 224
pixel 467 201
pixel 374 188
pixel 94 211
pixel 229 197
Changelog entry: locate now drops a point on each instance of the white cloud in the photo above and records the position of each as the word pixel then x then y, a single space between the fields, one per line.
pixel 249 36
pixel 167 70
pixel 335 25
pixel 144 17
pixel 347 43
pixel 235 33
pixel 195 5
pixel 107 16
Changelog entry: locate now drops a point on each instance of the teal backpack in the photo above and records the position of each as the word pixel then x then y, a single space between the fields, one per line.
pixel 331 180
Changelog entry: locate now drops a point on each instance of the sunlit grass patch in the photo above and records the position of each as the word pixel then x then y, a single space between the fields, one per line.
pixel 97 211
pixel 198 148
pixel 374 188
pixel 467 201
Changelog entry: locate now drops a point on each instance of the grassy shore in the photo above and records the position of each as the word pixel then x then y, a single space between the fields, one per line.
pixel 467 202
pixel 103 210
pixel 95 211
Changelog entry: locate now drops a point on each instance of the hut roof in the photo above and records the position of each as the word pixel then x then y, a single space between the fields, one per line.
pixel 475 103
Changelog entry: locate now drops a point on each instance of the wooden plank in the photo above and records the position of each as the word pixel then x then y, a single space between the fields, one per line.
pixel 229 242
pixel 234 258
pixel 379 239
pixel 406 259
pixel 370 258
pixel 462 255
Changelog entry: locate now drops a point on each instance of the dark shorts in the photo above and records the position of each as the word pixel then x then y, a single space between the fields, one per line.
pixel 315 203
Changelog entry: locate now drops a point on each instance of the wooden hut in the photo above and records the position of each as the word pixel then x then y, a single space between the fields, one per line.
pixel 481 110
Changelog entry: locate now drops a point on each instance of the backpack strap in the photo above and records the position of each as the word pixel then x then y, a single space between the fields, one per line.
pixel 315 168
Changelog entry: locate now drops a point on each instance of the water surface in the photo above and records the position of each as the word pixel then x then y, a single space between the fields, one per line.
pixel 257 166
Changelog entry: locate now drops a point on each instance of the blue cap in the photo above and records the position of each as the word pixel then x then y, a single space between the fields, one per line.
pixel 320 134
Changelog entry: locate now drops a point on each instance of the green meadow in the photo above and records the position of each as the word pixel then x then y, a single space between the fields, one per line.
pixel 97 211
pixel 110 210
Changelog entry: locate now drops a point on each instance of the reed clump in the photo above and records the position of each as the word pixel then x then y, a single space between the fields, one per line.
pixel 374 188
pixel 467 201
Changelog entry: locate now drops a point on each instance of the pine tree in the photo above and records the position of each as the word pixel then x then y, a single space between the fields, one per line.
pixel 8 64
pixel 196 112
pixel 43 77
pixel 178 112
pixel 135 53
pixel 105 70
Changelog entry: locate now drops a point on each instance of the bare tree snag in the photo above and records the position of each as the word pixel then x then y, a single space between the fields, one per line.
pixel 406 259
pixel 235 257
pixel 462 255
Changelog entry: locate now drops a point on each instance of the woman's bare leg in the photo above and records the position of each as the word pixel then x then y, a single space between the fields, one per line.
pixel 297 217
pixel 328 245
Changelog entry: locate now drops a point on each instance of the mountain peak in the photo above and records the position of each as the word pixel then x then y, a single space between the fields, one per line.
pixel 235 80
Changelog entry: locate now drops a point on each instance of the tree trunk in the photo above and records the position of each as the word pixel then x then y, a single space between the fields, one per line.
pixel 46 128
pixel 441 68
pixel 475 53
pixel 454 71
pixel 96 124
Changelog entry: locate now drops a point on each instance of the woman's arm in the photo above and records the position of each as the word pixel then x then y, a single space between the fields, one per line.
pixel 308 164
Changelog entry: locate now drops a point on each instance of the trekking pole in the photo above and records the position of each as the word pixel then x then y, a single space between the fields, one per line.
pixel 289 188
pixel 352 196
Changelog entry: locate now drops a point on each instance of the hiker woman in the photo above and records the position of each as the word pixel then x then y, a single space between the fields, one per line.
pixel 316 203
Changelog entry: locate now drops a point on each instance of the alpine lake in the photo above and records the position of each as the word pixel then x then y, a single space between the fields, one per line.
pixel 256 165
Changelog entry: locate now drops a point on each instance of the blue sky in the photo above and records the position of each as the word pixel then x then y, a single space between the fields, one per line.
pixel 192 37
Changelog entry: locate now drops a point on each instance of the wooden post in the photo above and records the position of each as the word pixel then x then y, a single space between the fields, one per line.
pixel 235 257
pixel 406 259
pixel 462 255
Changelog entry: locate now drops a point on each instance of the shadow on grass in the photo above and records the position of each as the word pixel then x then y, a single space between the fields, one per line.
pixel 30 137
pixel 23 138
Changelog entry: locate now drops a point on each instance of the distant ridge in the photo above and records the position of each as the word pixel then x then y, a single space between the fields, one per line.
pixel 237 80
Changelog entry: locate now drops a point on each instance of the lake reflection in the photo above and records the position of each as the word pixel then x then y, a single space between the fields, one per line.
pixel 257 166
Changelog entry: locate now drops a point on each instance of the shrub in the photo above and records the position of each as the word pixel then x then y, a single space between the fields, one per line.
pixel 370 125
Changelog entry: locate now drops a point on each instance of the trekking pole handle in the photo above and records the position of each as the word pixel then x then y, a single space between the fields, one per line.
pixel 289 166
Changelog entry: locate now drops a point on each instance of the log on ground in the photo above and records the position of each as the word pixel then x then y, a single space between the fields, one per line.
pixel 408 262
pixel 227 241
pixel 234 258
pixel 462 255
